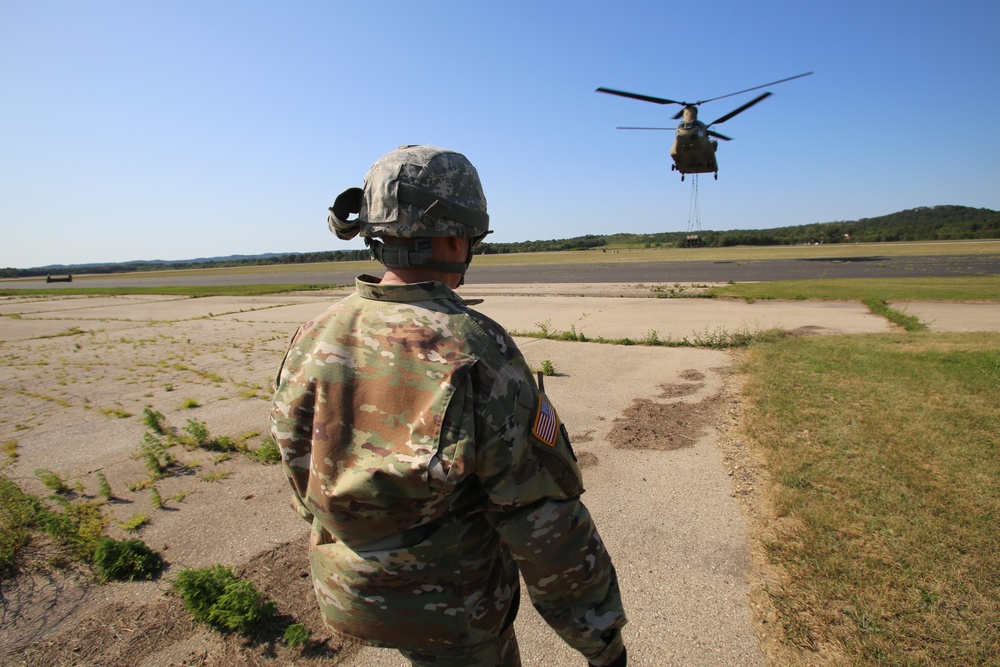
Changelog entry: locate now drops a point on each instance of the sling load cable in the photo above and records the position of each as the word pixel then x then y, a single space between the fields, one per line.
pixel 694 210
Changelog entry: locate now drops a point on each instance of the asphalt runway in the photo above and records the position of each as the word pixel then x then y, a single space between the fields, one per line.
pixel 751 270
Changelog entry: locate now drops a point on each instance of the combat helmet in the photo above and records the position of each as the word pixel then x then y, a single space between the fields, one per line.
pixel 414 192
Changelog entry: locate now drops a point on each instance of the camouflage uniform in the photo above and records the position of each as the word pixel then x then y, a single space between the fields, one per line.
pixel 432 469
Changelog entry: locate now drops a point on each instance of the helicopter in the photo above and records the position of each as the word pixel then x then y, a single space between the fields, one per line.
pixel 693 151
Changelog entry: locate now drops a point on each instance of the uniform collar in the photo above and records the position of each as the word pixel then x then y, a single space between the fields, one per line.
pixel 369 287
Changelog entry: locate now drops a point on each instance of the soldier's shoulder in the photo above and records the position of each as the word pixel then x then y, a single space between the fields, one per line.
pixel 491 330
pixel 325 323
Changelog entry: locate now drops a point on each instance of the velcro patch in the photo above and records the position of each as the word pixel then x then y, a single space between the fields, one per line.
pixel 546 422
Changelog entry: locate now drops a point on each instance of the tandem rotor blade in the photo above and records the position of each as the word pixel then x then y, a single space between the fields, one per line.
pixel 644 128
pixel 741 109
pixel 712 99
pixel 713 133
pixel 637 96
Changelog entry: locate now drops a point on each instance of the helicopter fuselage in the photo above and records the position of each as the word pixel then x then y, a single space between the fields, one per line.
pixel 693 151
pixel 694 146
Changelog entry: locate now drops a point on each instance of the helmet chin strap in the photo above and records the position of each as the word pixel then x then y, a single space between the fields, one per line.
pixel 419 255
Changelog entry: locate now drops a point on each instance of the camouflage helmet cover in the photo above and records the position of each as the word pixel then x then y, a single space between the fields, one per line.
pixel 421 191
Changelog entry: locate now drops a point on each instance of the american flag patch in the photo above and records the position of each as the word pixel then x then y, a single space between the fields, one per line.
pixel 546 422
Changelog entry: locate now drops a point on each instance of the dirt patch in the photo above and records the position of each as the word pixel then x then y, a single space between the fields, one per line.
pixel 586 459
pixel 648 424
pixel 678 390
pixel 161 632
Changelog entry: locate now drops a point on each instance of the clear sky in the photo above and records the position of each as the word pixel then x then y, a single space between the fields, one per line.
pixel 173 130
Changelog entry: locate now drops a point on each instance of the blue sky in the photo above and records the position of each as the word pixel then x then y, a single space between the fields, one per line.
pixel 172 130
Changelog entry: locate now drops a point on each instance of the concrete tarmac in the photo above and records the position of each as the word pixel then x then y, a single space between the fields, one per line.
pixel 668 514
pixel 670 518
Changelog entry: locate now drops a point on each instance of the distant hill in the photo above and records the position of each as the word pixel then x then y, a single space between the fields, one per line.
pixel 927 223
pixel 200 263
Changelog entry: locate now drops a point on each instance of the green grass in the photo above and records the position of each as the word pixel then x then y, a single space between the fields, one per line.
pixel 296 635
pixel 970 288
pixel 719 338
pixel 104 488
pixel 216 476
pixel 215 595
pixel 134 523
pixel 267 452
pixel 884 455
pixel 125 560
pixel 19 516
pixel 9 448
pixel 52 481
pixel 741 253
pixel 76 528
pixel 897 317
pixel 154 421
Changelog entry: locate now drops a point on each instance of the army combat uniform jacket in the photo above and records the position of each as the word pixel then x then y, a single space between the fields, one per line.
pixel 432 468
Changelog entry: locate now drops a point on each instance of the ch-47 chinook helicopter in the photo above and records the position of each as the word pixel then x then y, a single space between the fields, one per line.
pixel 693 151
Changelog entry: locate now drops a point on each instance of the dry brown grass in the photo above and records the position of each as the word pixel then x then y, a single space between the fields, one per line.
pixel 880 543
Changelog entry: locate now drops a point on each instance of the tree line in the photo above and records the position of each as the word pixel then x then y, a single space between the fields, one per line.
pixel 926 223
pixel 252 260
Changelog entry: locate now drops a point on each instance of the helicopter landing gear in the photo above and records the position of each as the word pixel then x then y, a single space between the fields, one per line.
pixel 716 175
pixel 682 178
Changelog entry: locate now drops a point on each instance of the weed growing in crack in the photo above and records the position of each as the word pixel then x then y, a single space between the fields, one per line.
pixel 154 498
pixel 103 488
pixel 216 596
pixel 267 453
pixel 52 481
pixel 296 635
pixel 154 421
pixel 125 560
pixel 134 523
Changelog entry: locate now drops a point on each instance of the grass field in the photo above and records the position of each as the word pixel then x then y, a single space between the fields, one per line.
pixel 882 452
pixel 741 253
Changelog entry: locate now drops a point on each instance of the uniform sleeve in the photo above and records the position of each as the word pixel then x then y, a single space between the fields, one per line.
pixel 528 470
pixel 291 427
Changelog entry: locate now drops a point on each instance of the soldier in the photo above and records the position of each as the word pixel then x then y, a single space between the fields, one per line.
pixel 433 469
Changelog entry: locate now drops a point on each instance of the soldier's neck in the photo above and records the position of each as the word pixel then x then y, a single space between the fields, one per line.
pixel 411 276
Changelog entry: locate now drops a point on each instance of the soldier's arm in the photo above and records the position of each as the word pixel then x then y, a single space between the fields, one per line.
pixel 291 427
pixel 527 467
pixel 570 577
